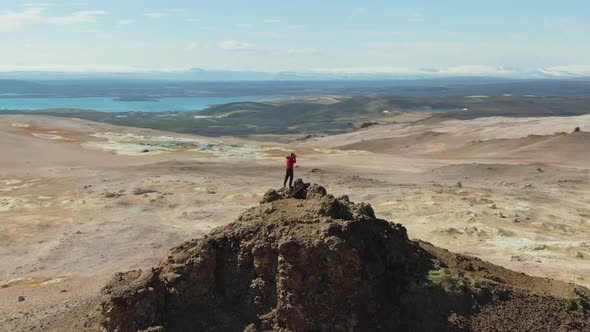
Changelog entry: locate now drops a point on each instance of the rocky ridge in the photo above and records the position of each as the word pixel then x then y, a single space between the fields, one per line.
pixel 304 260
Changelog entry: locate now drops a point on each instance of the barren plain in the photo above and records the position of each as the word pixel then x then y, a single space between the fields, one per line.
pixel 81 200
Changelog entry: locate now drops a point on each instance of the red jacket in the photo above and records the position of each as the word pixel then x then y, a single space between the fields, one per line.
pixel 291 162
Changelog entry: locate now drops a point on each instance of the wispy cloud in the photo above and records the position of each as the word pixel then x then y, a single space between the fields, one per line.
pixel 296 26
pixel 303 51
pixel 38 4
pixel 476 70
pixel 568 70
pixel 14 20
pixel 244 25
pixel 236 45
pixel 126 21
pixel 427 46
pixel 193 45
pixel 84 69
pixel 155 15
pixel 193 20
pixel 371 70
pixel 271 21
pixel 233 45
pixel 85 16
pixel 407 17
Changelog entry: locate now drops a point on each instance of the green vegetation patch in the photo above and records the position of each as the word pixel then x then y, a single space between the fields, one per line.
pixel 449 281
pixel 303 117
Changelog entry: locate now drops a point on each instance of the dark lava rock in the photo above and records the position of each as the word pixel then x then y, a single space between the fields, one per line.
pixel 271 196
pixel 304 260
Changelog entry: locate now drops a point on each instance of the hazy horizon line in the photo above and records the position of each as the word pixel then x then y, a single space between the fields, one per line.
pixel 452 71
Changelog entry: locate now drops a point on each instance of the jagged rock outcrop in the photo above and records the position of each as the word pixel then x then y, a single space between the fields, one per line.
pixel 304 260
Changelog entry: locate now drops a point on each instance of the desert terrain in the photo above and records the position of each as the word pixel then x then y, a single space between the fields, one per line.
pixel 81 200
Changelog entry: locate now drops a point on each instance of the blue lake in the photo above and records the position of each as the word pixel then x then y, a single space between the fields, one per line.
pixel 108 104
pixel 112 105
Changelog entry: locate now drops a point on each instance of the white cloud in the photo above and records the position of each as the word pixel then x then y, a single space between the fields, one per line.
pixel 372 70
pixel 237 45
pixel 407 17
pixel 193 20
pixel 477 70
pixel 85 69
pixel 296 26
pixel 569 70
pixel 37 4
pixel 14 20
pixel 271 21
pixel 303 51
pixel 555 71
pixel 85 16
pixel 155 15
pixel 127 21
pixel 193 45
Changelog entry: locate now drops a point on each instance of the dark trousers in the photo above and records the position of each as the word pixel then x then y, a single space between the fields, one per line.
pixel 288 176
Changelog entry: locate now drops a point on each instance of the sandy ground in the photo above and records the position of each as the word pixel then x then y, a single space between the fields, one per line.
pixel 80 201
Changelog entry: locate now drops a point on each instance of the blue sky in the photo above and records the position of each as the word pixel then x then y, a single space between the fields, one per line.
pixel 448 36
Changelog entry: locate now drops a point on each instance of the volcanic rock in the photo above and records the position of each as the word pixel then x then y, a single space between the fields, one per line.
pixel 304 260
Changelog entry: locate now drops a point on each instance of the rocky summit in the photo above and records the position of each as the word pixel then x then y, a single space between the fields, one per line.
pixel 304 260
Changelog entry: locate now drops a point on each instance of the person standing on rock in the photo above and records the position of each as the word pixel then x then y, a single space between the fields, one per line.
pixel 291 160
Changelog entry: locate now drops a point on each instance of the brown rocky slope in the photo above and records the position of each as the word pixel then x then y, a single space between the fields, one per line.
pixel 307 261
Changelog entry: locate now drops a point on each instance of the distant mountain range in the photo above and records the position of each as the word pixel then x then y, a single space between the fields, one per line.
pixel 198 74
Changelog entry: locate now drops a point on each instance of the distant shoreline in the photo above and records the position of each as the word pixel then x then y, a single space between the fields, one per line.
pixel 123 104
